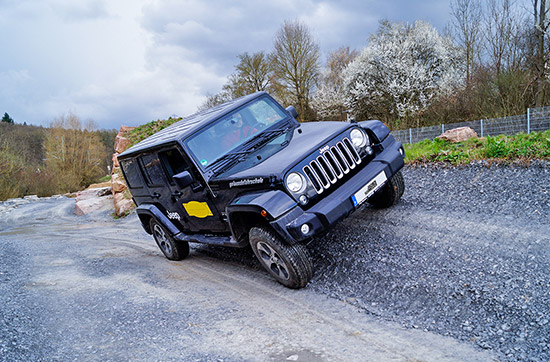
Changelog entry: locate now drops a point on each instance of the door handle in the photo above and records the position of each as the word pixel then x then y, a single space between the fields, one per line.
pixel 176 193
pixel 155 195
pixel 196 188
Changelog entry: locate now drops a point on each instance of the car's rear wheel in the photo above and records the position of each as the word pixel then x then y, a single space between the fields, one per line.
pixel 290 265
pixel 390 193
pixel 172 249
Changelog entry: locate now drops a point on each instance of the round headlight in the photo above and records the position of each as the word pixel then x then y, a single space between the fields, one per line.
pixel 358 137
pixel 295 182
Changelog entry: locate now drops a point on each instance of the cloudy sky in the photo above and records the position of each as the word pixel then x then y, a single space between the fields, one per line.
pixel 131 61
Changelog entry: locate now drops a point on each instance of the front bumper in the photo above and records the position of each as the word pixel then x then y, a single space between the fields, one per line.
pixel 338 204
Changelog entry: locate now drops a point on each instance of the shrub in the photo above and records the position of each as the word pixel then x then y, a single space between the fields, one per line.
pixel 521 146
pixel 496 148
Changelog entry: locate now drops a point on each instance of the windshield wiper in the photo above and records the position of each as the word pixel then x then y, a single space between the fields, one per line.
pixel 264 137
pixel 229 159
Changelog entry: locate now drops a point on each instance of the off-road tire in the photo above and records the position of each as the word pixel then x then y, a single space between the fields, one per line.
pixel 390 193
pixel 172 249
pixel 290 265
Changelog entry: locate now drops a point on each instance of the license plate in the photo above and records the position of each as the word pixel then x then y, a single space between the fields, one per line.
pixel 370 188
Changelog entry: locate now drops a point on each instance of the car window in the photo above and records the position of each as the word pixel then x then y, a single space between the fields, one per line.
pixel 132 173
pixel 232 130
pixel 265 112
pixel 174 163
pixel 261 154
pixel 153 170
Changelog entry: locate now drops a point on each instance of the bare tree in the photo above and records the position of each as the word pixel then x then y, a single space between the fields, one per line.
pixel 252 75
pixel 12 167
pixel 73 153
pixel 503 29
pixel 213 100
pixel 540 13
pixel 329 98
pixel 337 61
pixel 253 72
pixel 295 62
pixel 466 23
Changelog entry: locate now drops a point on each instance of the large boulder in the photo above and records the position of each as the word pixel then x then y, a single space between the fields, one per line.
pixel 92 200
pixel 115 160
pixel 117 183
pixel 122 204
pixel 459 134
pixel 121 143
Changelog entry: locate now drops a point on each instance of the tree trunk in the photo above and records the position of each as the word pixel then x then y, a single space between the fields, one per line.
pixel 541 61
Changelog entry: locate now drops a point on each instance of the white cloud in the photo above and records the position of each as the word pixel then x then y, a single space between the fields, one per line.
pixel 334 25
pixel 130 61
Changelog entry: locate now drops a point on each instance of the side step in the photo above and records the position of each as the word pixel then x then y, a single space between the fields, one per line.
pixel 208 239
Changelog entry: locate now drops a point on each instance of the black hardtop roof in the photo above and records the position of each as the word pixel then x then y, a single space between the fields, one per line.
pixel 188 125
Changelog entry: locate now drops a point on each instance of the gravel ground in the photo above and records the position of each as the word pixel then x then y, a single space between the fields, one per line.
pixel 98 289
pixel 466 253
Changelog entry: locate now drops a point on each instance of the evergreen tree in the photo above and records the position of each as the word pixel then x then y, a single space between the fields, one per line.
pixel 7 118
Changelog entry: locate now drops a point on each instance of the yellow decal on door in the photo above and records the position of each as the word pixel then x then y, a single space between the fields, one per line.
pixel 198 209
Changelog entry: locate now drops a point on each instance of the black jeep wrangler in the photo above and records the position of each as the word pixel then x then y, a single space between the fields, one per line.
pixel 247 173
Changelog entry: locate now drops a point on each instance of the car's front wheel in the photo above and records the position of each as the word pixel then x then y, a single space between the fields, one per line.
pixel 290 265
pixel 172 249
pixel 390 193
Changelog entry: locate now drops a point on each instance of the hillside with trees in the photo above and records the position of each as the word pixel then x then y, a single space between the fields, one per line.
pixel 65 157
pixel 491 61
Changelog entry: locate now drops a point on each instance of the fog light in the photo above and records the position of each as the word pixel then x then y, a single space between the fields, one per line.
pixel 401 151
pixel 304 229
pixel 368 149
pixel 303 199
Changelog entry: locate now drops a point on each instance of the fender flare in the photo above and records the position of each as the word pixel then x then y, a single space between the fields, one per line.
pixel 248 207
pixel 274 202
pixel 146 211
pixel 378 128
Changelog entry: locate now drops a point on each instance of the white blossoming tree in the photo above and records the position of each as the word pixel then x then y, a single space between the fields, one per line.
pixel 328 100
pixel 400 72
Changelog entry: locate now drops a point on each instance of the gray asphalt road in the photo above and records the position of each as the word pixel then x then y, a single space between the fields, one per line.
pixel 459 270
pixel 94 288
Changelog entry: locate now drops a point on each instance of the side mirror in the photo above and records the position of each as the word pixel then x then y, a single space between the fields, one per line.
pixel 292 111
pixel 183 179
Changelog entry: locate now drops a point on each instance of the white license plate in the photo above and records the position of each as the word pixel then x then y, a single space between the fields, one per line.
pixel 370 188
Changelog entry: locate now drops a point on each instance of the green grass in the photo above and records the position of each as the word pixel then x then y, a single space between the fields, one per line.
pixel 522 146
pixel 142 132
pixel 535 145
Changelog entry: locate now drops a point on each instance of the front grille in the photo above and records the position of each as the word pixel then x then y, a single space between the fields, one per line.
pixel 332 165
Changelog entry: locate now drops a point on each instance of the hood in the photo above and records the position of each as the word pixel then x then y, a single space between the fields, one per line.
pixel 307 138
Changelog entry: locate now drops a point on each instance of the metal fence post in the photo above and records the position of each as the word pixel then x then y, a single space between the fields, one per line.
pixel 442 128
pixel 528 120
pixel 410 136
pixel 481 125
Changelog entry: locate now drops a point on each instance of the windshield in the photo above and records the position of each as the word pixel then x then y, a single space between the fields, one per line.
pixel 234 129
pixel 262 153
